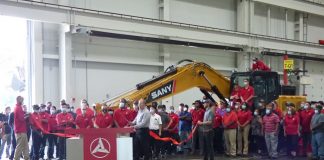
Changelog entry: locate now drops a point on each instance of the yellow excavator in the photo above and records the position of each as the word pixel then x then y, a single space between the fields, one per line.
pixel 179 78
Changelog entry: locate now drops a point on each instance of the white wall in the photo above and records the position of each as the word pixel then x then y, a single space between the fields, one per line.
pixel 277 21
pixel 315 91
pixel 212 13
pixel 315 28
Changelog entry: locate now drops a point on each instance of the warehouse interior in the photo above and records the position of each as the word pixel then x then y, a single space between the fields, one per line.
pixel 96 50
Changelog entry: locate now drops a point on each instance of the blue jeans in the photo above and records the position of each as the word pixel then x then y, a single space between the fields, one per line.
pixel 272 143
pixel 183 136
pixel 318 145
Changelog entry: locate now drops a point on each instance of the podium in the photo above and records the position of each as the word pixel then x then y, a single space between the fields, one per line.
pixel 99 144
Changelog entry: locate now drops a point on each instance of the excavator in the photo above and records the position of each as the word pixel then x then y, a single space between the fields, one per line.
pixel 181 77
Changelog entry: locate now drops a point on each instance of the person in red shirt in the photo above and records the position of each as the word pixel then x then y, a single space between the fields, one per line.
pixel 172 130
pixel 20 130
pixel 291 128
pixel 44 119
pixel 37 134
pixel 64 120
pixel 52 128
pixel 121 115
pixel 230 125
pixel 133 111
pixel 244 117
pixel 103 119
pixel 247 94
pixel 197 115
pixel 85 105
pixel 83 121
pixel 305 120
pixel 218 133
pixel 259 65
pixel 235 95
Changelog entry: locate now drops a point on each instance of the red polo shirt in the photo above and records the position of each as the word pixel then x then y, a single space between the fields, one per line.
pixel 19 120
pixel 64 120
pixel 121 117
pixel 259 65
pixel 305 120
pixel 33 118
pixel 246 93
pixel 44 116
pixel 89 112
pixel 197 115
pixel 83 121
pixel 291 124
pixel 103 121
pixel 174 122
pixel 236 93
pixel 217 120
pixel 228 118
pixel 132 115
pixel 243 116
pixel 52 124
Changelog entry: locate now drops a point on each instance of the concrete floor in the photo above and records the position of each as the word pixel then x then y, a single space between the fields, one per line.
pixel 221 157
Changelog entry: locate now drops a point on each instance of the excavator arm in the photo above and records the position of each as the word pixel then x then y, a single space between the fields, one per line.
pixel 176 80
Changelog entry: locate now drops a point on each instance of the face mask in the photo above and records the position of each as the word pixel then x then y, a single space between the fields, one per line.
pixel 228 110
pixel 256 113
pixel 246 83
pixel 316 111
pixel 254 62
pixel 105 110
pixel 159 110
pixel 305 106
pixel 64 110
pixel 83 111
pixel 152 111
pixel 121 105
pixel 289 112
pixel 313 106
pixel 268 111
pixel 43 110
pixel 185 109
pixel 237 106
pixel 36 111
pixel 53 111
pixel 111 112
pixel 243 106
pixel 83 105
pixel 172 110
pixel 260 104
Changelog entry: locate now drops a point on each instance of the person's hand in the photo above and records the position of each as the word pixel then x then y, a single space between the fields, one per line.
pixel 199 123
pixel 299 134
pixel 160 134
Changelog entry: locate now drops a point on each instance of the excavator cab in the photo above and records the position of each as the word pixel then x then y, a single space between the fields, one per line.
pixel 266 84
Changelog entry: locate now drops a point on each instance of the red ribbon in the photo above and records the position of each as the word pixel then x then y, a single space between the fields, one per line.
pixel 39 125
pixel 169 139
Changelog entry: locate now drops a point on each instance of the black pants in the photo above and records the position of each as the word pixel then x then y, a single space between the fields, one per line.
pixel 257 143
pixel 307 140
pixel 218 140
pixel 62 148
pixel 155 145
pixel 141 141
pixel 164 145
pixel 43 145
pixel 208 145
pixel 13 145
pixel 282 141
pixel 37 140
pixel 292 143
pixel 52 141
pixel 172 148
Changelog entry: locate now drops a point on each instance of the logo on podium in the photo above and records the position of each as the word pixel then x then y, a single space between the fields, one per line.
pixel 100 148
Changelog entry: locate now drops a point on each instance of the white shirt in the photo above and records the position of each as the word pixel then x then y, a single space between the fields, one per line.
pixel 155 122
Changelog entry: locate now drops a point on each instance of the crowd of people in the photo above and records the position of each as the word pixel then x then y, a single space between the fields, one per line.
pixel 206 128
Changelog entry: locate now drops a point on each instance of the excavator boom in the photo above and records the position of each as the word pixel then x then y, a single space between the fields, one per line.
pixel 176 80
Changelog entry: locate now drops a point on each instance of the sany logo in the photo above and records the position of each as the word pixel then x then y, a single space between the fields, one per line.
pixel 100 148
pixel 161 91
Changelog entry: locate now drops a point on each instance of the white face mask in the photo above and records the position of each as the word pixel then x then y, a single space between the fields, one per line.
pixel 256 113
pixel 43 110
pixel 36 111
pixel 83 111
pixel 160 110
pixel 83 105
pixel 316 111
pixel 152 111
pixel 110 112
pixel 237 106
pixel 64 110
pixel 121 105
pixel 53 111
pixel 185 109
pixel 171 110
pixel 243 106
pixel 246 83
